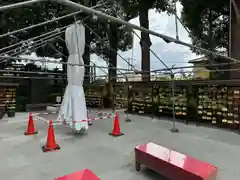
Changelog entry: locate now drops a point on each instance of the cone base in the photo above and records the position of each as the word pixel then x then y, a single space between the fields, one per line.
pixel 30 133
pixel 44 149
pixel 116 135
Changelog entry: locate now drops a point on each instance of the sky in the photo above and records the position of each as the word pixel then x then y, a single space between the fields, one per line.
pixel 171 54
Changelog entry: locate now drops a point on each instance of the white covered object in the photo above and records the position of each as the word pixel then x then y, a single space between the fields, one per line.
pixel 73 109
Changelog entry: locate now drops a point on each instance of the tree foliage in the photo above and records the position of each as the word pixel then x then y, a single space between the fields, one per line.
pixel 141 8
pixel 102 47
pixel 22 17
pixel 208 22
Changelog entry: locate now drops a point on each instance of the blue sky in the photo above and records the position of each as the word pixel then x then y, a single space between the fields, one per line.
pixel 169 53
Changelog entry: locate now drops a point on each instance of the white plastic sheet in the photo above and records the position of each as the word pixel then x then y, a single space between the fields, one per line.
pixel 73 108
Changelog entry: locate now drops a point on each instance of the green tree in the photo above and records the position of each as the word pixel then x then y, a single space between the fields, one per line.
pixel 141 8
pixel 22 17
pixel 208 23
pixel 117 37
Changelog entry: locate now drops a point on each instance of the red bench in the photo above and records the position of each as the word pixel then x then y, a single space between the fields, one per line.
pixel 84 174
pixel 173 165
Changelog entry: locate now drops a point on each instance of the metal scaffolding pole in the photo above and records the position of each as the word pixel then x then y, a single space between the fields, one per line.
pixel 32 39
pixel 66 56
pixel 57 62
pixel 47 38
pixel 99 38
pixel 8 75
pixel 34 46
pixel 45 22
pixel 118 20
pixel 104 60
pixel 134 33
pixel 20 4
pixel 173 90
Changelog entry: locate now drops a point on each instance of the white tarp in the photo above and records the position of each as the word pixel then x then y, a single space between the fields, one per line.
pixel 73 107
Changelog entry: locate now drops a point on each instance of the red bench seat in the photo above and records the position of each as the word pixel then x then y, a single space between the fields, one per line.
pixel 173 165
pixel 84 174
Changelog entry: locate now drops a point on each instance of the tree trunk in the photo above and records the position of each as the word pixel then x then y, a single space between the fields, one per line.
pixel 145 43
pixel 113 52
pixel 235 42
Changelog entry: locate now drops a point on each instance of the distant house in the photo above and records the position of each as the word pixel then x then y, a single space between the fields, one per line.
pixel 200 70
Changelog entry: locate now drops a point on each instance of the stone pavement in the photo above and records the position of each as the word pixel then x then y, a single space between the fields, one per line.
pixel 109 157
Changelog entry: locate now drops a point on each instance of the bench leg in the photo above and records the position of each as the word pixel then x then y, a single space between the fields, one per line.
pixel 137 166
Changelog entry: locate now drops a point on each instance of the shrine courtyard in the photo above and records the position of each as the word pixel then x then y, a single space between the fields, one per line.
pixel 110 157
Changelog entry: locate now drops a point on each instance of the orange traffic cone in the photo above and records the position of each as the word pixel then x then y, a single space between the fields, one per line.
pixel 30 129
pixel 51 142
pixel 116 127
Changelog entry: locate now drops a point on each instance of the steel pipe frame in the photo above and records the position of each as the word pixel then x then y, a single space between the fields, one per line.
pixel 109 45
pixel 196 66
pixel 42 23
pixel 167 68
pixel 164 37
pixel 58 29
pixel 217 70
pixel 66 56
pixel 133 26
pixel 61 74
pixel 41 44
pixel 46 22
pixel 104 60
pixel 56 62
pixel 17 53
pixel 54 48
pixel 32 39
pixel 33 47
pixel 174 68
pixel 45 38
pixel 145 44
pixel 117 20
pixel 20 4
pixel 96 53
pixel 37 77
